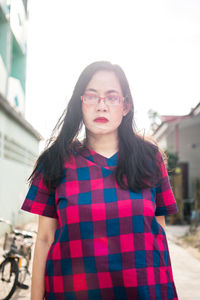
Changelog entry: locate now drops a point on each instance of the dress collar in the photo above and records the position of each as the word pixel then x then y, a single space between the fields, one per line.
pixel 95 157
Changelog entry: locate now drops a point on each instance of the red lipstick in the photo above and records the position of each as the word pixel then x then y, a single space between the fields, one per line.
pixel 101 119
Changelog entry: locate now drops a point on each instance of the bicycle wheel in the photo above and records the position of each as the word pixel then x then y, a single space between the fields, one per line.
pixel 24 265
pixel 22 270
pixel 8 278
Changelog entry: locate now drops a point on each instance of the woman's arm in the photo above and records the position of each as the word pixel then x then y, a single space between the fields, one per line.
pixel 45 236
pixel 161 221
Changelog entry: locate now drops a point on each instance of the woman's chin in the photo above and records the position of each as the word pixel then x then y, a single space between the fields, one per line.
pixel 101 131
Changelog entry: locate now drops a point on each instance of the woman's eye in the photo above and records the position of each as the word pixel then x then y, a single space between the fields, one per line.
pixel 112 98
pixel 90 96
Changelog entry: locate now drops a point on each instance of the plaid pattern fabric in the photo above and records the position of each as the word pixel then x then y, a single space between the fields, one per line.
pixel 108 244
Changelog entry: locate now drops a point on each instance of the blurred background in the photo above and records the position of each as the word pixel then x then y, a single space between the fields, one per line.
pixel 44 46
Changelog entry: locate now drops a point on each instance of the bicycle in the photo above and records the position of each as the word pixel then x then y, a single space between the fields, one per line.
pixel 15 265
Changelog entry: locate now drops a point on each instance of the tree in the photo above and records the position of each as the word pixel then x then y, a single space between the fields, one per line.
pixel 154 118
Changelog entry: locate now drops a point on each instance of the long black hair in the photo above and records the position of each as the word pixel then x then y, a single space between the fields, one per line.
pixel 137 166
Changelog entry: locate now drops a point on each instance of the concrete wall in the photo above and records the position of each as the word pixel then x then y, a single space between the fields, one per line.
pixel 189 145
pixel 18 153
pixel 188 142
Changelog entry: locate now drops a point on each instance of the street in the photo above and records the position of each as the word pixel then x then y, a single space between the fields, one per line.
pixel 186 269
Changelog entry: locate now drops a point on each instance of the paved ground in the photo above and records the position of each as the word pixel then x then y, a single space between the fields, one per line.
pixel 186 268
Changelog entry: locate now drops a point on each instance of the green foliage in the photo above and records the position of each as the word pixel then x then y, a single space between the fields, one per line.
pixel 172 160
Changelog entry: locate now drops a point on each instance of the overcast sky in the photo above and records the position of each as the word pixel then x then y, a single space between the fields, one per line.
pixel 156 42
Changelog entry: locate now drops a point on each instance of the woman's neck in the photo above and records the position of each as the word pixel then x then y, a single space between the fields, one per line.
pixel 104 146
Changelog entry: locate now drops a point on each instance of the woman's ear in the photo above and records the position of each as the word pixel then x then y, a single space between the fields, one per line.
pixel 126 108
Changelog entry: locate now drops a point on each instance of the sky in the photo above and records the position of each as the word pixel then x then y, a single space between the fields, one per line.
pixel 157 43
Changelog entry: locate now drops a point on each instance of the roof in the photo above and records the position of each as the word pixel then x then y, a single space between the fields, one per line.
pixel 195 111
pixel 166 119
pixel 169 119
pixel 19 118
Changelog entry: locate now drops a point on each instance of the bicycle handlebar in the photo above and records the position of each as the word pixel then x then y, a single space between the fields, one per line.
pixel 24 233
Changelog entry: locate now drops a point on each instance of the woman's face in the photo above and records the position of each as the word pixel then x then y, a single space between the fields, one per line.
pixel 103 83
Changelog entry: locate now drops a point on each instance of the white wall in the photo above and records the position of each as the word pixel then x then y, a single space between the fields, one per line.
pixel 14 174
pixel 188 135
pixel 3 77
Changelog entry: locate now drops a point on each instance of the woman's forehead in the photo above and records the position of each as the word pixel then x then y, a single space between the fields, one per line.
pixel 104 81
pixel 105 91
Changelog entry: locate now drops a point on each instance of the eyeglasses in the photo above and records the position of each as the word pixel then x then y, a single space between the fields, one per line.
pixel 109 100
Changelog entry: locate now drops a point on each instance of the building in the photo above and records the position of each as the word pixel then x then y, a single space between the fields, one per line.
pixel 19 141
pixel 181 135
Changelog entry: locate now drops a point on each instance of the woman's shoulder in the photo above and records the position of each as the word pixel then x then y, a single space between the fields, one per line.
pixel 148 142
pixel 75 149
pixel 150 147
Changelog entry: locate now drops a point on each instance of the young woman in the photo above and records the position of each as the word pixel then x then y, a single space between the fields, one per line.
pixel 101 201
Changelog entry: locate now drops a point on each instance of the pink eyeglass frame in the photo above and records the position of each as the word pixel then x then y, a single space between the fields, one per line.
pixel 103 98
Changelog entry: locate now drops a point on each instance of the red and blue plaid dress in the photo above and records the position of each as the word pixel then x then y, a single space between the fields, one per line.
pixel 108 244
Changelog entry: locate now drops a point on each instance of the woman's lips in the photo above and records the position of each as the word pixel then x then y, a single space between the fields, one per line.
pixel 101 120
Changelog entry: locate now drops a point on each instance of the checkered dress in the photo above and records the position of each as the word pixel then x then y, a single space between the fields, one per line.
pixel 108 244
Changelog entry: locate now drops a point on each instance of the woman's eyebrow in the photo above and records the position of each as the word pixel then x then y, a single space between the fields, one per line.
pixel 107 92
pixel 112 91
pixel 91 90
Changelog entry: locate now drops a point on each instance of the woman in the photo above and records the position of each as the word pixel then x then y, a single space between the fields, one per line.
pixel 101 202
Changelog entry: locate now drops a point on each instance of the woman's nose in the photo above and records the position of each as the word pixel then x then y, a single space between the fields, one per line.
pixel 101 104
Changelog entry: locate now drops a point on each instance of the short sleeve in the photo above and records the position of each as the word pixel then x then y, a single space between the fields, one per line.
pixel 38 199
pixel 165 200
